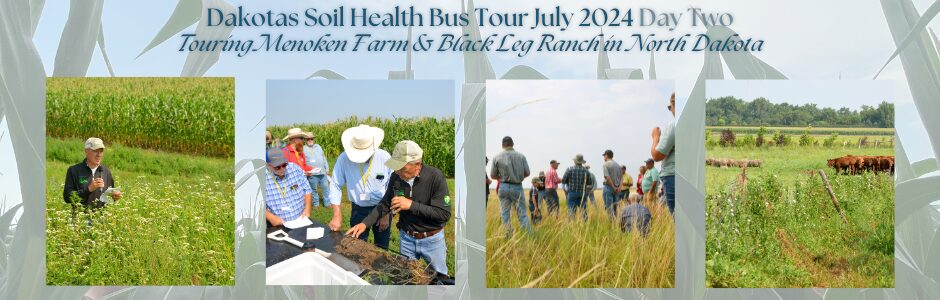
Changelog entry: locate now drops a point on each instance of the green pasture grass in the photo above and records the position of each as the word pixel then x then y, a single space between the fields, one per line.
pixel 782 230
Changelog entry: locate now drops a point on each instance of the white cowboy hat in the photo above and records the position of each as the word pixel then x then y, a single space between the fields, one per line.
pixel 360 142
pixel 295 132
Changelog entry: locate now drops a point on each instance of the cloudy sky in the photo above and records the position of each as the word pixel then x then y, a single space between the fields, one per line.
pixel 561 118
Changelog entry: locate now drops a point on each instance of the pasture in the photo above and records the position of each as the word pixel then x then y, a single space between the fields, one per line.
pixel 578 254
pixel 777 226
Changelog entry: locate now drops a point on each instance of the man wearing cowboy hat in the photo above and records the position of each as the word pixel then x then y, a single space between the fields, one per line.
pixel 420 194
pixel 287 192
pixel 294 150
pixel 87 180
pixel 361 170
pixel 576 180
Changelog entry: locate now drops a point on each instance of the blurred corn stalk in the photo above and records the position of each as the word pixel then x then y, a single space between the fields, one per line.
pixel 917 241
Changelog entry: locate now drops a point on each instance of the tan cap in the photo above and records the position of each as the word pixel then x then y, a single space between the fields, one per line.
pixel 94 143
pixel 405 152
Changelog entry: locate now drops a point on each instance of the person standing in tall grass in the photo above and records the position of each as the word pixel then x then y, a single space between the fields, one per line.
pixel 663 149
pixel 650 182
pixel 551 187
pixel 613 177
pixel 510 168
pixel 87 180
pixel 576 180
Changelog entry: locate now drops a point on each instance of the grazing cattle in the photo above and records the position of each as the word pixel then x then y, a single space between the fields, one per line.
pixel 851 164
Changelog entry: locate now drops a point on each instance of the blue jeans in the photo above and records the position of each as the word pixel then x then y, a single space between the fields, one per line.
pixel 590 195
pixel 381 238
pixel 611 199
pixel 511 198
pixel 432 249
pixel 551 200
pixel 669 184
pixel 577 201
pixel 324 184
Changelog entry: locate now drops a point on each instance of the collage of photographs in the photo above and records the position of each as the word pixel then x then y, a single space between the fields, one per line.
pixel 360 183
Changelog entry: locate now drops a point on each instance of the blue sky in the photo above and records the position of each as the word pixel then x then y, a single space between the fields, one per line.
pixel 319 101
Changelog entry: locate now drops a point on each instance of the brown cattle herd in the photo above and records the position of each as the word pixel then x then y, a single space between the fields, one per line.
pixel 851 164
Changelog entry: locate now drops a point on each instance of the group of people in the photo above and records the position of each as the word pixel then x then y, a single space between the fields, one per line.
pixel 653 186
pixel 378 185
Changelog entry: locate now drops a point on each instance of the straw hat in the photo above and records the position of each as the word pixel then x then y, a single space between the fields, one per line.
pixel 361 142
pixel 296 132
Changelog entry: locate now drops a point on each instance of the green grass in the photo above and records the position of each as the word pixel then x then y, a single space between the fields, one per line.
pixel 782 230
pixel 593 254
pixel 183 115
pixel 324 215
pixel 173 226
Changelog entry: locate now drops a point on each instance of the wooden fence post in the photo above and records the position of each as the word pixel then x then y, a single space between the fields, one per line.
pixel 832 196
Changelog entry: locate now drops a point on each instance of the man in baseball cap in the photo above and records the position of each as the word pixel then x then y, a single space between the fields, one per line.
pixel 420 195
pixel 362 171
pixel 287 192
pixel 86 181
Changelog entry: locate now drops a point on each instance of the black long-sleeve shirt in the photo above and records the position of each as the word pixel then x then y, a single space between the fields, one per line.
pixel 429 210
pixel 77 179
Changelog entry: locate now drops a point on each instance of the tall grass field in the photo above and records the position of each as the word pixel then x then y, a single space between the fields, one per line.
pixel 777 226
pixel 564 253
pixel 169 145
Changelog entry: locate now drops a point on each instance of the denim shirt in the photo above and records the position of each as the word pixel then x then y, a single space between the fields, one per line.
pixel 316 159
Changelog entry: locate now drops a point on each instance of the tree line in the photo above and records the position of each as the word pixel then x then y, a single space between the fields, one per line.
pixel 731 111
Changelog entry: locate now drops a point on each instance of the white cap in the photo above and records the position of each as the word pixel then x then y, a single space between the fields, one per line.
pixel 94 143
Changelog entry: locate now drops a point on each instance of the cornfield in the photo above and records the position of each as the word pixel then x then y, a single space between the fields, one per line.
pixel 434 135
pixel 185 115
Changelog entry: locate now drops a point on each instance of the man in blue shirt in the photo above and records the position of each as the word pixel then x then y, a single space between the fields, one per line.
pixel 320 170
pixel 361 170
pixel 287 192
pixel 664 149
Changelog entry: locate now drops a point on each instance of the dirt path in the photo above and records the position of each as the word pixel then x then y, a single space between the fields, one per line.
pixel 823 270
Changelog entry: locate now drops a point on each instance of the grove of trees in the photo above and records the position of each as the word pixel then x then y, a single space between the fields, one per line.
pixel 731 111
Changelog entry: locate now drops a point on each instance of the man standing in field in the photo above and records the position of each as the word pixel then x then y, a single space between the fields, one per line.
pixel 576 180
pixel 510 168
pixel 551 187
pixel 663 149
pixel 639 182
pixel 589 190
pixel 536 194
pixel 87 180
pixel 286 190
pixel 613 178
pixel 319 170
pixel 626 185
pixel 419 192
pixel 650 181
pixel 361 170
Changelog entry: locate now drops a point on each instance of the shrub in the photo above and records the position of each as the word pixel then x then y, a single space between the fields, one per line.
pixel 727 138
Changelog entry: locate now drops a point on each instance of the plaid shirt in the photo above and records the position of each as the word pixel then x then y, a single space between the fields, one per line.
pixel 289 205
pixel 577 178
